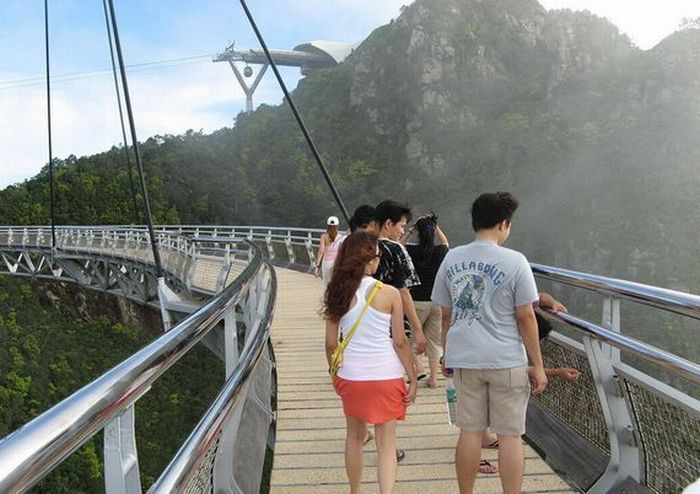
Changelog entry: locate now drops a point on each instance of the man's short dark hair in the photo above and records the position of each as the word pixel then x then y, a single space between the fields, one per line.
pixel 362 217
pixel 491 208
pixel 392 210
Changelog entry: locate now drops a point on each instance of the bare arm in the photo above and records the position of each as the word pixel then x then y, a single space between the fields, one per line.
pixel 401 345
pixel 410 310
pixel 319 257
pixel 527 325
pixel 331 339
pixel 548 302
pixel 440 236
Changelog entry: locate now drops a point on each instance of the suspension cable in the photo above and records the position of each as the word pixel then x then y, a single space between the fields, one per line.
pixel 48 110
pixel 135 143
pixel 288 96
pixel 121 115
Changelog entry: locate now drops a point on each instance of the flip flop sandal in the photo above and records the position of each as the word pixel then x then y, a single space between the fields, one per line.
pixel 421 376
pixel 486 467
pixel 400 455
pixel 491 445
pixel 369 437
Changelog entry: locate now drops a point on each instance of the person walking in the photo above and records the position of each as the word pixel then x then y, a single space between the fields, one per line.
pixel 368 316
pixel 427 256
pixel 487 294
pixel 328 250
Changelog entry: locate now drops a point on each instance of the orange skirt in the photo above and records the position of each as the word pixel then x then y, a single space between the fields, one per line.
pixel 374 402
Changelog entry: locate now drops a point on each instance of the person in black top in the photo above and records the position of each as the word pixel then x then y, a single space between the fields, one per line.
pixel 426 256
pixel 395 265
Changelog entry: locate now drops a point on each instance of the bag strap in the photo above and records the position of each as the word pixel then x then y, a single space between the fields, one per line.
pixel 374 291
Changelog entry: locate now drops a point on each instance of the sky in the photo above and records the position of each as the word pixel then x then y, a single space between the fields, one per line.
pixel 168 48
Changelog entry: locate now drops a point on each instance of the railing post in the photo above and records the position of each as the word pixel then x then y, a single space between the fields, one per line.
pixel 268 242
pixel 230 342
pixel 625 455
pixel 310 251
pixel 288 244
pixel 120 455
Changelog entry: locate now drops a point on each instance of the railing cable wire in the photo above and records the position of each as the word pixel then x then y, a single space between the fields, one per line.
pixel 48 111
pixel 121 114
pixel 288 96
pixel 134 139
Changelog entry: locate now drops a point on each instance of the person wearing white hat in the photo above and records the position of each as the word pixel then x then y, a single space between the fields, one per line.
pixel 328 251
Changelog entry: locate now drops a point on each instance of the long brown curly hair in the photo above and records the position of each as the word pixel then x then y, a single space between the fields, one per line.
pixel 357 250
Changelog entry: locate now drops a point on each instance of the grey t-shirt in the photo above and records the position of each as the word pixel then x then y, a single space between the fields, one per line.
pixel 482 283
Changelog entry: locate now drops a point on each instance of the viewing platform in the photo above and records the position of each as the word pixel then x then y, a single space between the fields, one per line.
pixel 309 447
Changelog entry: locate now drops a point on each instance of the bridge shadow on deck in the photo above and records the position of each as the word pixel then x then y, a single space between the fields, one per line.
pixel 311 427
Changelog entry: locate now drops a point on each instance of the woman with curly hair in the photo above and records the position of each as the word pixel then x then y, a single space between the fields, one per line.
pixel 370 381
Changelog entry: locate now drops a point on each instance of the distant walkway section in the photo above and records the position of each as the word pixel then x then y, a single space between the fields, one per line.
pixel 311 425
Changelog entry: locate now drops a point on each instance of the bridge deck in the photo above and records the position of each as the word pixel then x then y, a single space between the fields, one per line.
pixel 311 426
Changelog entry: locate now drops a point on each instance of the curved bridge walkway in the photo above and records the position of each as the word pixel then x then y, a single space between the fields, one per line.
pixel 311 427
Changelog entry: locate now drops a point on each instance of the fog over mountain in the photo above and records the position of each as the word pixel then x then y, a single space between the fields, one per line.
pixel 598 139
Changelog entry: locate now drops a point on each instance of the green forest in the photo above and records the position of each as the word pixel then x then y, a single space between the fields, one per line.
pixel 49 349
pixel 597 138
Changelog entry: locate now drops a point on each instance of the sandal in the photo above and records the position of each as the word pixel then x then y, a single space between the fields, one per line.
pixel 486 467
pixel 368 437
pixel 421 376
pixel 400 455
pixel 492 445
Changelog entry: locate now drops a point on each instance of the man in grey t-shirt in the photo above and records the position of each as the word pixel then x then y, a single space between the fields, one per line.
pixel 487 294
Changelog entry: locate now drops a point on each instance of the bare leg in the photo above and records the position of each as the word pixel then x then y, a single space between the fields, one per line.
pixel 432 381
pixel 385 435
pixel 511 461
pixel 354 438
pixel 467 456
pixel 489 439
pixel 418 363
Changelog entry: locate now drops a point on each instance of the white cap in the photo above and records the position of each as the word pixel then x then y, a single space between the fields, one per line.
pixel 332 220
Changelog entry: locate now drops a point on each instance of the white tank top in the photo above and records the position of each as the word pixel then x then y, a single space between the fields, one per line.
pixel 331 252
pixel 370 355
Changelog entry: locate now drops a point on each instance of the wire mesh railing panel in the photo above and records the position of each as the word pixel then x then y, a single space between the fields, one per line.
pixel 670 438
pixel 574 403
pixel 251 439
pixel 202 482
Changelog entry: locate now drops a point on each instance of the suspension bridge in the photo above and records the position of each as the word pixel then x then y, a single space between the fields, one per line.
pixel 617 428
pixel 246 293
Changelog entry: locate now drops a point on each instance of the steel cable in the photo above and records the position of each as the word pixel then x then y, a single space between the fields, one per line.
pixel 299 120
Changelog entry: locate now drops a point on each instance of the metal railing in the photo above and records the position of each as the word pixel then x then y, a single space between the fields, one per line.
pixel 31 452
pixel 663 455
pixel 642 428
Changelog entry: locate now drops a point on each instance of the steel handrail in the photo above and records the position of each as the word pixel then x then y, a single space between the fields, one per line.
pixel 669 300
pixel 191 454
pixel 661 298
pixel 666 360
pixel 31 452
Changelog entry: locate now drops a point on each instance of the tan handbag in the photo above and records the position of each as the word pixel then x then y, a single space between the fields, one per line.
pixel 337 354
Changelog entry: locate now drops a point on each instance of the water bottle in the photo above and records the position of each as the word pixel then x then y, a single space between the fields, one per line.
pixel 451 399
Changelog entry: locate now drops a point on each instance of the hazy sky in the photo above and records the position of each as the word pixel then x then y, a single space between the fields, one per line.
pixel 174 85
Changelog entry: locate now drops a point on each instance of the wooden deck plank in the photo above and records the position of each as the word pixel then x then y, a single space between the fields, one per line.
pixel 311 425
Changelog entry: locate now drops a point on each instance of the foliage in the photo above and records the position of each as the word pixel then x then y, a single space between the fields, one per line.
pixel 47 352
